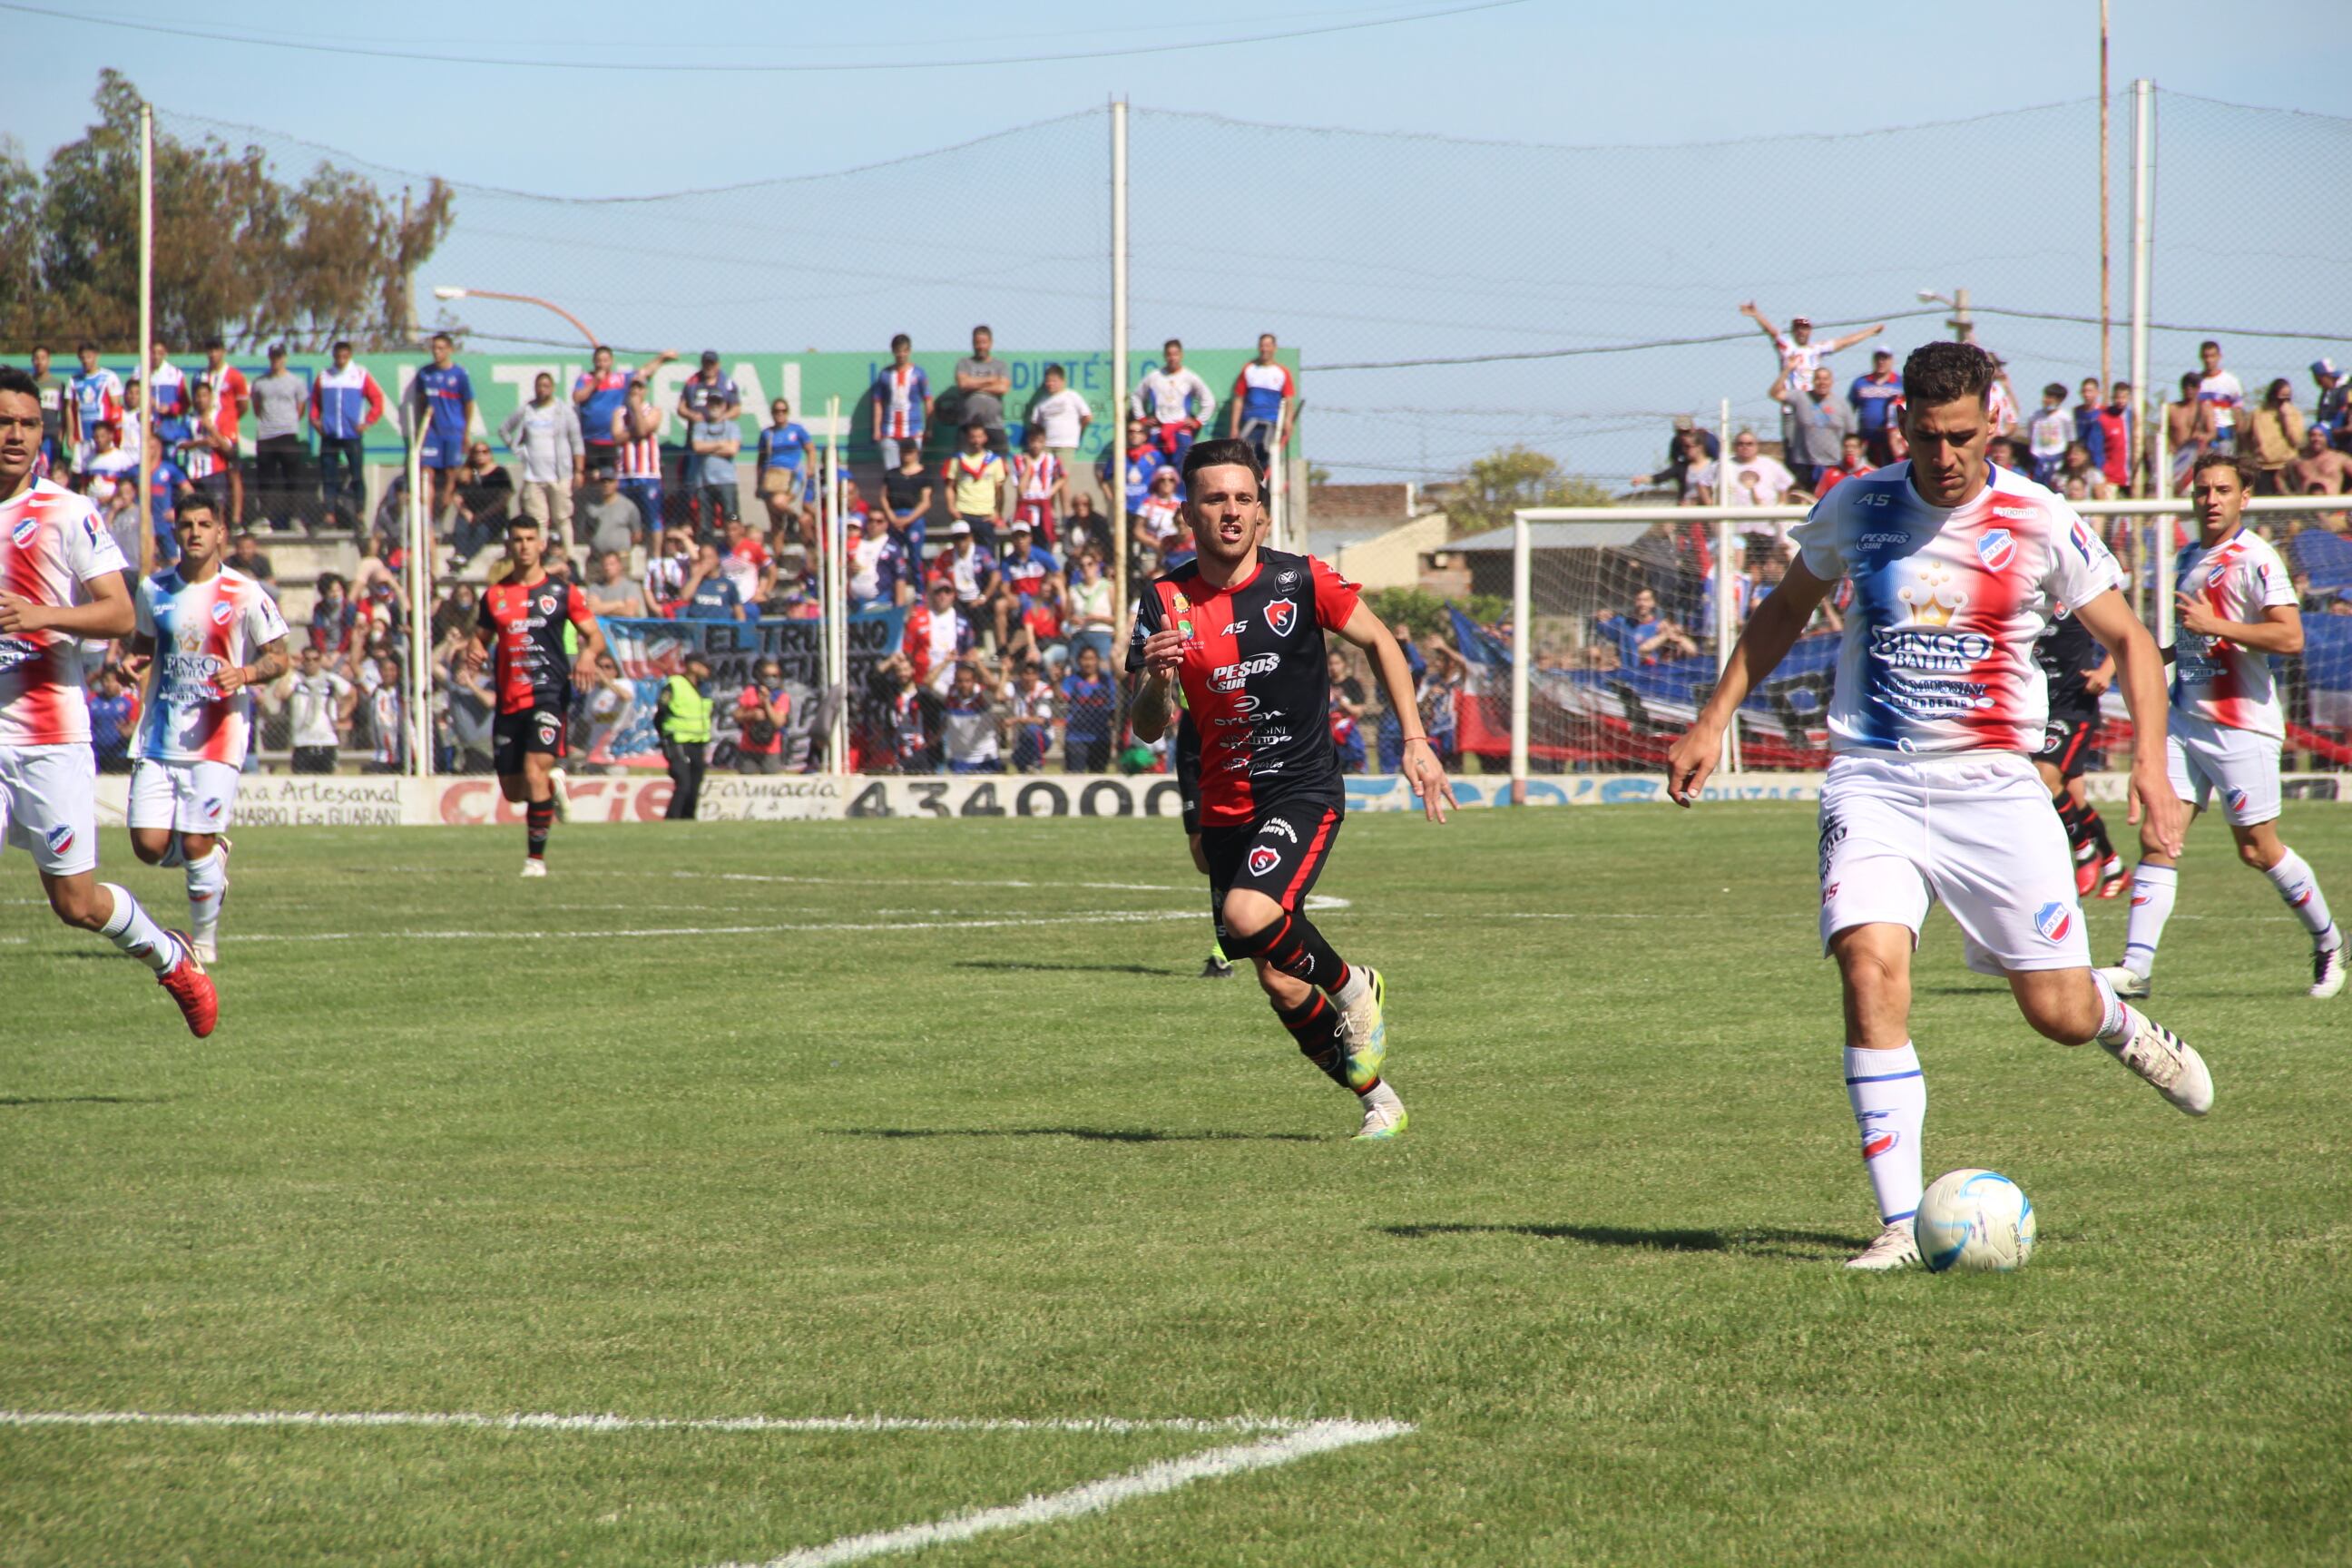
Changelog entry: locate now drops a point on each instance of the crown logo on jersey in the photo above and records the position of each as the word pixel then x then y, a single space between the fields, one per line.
pixel 1934 598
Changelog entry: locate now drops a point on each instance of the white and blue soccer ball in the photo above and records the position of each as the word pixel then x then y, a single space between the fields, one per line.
pixel 1974 1220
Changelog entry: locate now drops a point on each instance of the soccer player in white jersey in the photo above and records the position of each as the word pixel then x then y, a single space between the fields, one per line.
pixel 62 580
pixel 2236 609
pixel 1957 567
pixel 212 634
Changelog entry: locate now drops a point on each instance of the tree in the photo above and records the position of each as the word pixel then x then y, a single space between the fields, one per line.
pixel 239 253
pixel 1501 483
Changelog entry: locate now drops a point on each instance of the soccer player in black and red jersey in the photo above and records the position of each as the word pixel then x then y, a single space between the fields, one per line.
pixel 522 619
pixel 1241 627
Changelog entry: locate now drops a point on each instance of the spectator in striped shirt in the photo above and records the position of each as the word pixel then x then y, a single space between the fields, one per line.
pixel 902 403
pixel 209 454
pixel 636 432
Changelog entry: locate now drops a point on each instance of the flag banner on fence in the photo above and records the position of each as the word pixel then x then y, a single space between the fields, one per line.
pixel 650 651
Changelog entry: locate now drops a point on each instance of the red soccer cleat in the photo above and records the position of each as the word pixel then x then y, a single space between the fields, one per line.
pixel 2113 877
pixel 2087 877
pixel 192 988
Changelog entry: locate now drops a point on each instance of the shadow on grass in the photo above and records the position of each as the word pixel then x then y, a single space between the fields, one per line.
pixel 1810 1245
pixel 20 1100
pixel 1085 1134
pixel 1018 965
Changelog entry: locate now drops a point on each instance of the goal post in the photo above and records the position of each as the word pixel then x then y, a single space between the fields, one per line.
pixel 1593 688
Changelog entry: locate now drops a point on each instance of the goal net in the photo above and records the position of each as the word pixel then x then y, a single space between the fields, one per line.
pixel 1628 612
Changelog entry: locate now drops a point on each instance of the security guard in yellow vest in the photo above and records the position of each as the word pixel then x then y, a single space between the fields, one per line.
pixel 683 717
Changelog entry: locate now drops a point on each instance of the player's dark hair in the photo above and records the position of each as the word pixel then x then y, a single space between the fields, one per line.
pixel 984 327
pixel 901 341
pixel 18 380
pixel 1941 373
pixel 339 345
pixel 2219 460
pixel 1057 370
pixel 85 347
pixel 211 344
pixel 1220 453
pixel 2054 390
pixel 522 520
pixel 600 349
pixel 445 338
pixel 198 501
pixel 2208 344
pixel 1171 344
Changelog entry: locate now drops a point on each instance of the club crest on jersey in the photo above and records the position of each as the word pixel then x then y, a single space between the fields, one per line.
pixel 2054 921
pixel 2236 797
pixel 222 612
pixel 23 532
pixel 1264 858
pixel 1279 616
pixel 1996 549
pixel 60 838
pixel 548 724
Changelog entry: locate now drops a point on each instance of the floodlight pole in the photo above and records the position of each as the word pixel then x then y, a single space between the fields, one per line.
pixel 833 564
pixel 1115 503
pixel 1522 612
pixel 2143 223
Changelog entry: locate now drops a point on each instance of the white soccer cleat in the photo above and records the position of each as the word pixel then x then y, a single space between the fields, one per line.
pixel 207 953
pixel 1895 1247
pixel 2129 982
pixel 2169 1064
pixel 1384 1115
pixel 534 867
pixel 560 795
pixel 2327 968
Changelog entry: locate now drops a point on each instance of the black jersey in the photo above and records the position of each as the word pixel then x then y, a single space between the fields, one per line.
pixel 1255 678
pixel 2067 653
pixel 526 628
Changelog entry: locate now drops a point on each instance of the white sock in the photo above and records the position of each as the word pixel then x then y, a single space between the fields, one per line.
pixel 1890 1105
pixel 1360 981
pixel 130 929
pixel 2153 888
pixel 2117 1022
pixel 2300 889
pixel 207 884
pixel 1380 1094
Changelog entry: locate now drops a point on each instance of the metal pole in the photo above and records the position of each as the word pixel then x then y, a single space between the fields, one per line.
pixel 1963 329
pixel 2106 292
pixel 142 357
pixel 1115 503
pixel 836 594
pixel 1522 613
pixel 2143 223
pixel 1726 634
pixel 420 589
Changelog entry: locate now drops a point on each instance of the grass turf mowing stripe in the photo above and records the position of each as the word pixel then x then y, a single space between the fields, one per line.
pixel 1112 1425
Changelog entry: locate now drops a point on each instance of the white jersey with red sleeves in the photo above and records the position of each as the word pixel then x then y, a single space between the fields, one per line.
pixel 1262 389
pixel 1948 603
pixel 200 629
pixel 51 542
pixel 2237 579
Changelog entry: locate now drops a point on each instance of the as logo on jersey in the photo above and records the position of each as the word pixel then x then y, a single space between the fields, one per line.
pixel 1264 858
pixel 23 532
pixel 1280 614
pixel 2054 921
pixel 222 612
pixel 1996 549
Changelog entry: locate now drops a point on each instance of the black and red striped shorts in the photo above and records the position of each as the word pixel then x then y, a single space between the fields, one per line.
pixel 1279 853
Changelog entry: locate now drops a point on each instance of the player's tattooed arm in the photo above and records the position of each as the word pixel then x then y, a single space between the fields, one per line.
pixel 1154 708
pixel 1772 631
pixel 272 664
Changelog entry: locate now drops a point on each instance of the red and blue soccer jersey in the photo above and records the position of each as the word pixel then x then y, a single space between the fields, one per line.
pixel 606 394
pixel 1256 680
pixel 526 626
pixel 899 396
pixel 2238 579
pixel 1937 657
pixel 1027 573
pixel 1260 389
pixel 51 542
pixel 97 399
pixel 200 629
pixel 443 394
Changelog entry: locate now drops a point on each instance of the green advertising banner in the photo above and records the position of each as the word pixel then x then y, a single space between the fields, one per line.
pixel 502 383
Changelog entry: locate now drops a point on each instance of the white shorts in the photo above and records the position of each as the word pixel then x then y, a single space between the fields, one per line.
pixel 1976 833
pixel 2241 766
pixel 186 797
pixel 49 804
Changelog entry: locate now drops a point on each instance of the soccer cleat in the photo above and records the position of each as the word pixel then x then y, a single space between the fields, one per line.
pixel 533 866
pixel 190 987
pixel 560 793
pixel 2113 877
pixel 1895 1247
pixel 1364 1033
pixel 2169 1065
pixel 2327 968
pixel 1216 969
pixel 2086 875
pixel 207 953
pixel 2129 982
pixel 1384 1116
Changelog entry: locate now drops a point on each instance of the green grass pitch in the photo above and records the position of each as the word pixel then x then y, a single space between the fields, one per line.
pixel 931 1120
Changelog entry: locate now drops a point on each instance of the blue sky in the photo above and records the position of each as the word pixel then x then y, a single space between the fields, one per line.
pixel 1361 248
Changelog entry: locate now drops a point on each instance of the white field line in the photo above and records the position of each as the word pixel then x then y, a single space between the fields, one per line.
pixel 1094 1497
pixel 1096 917
pixel 1283 1443
pixel 1111 1425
